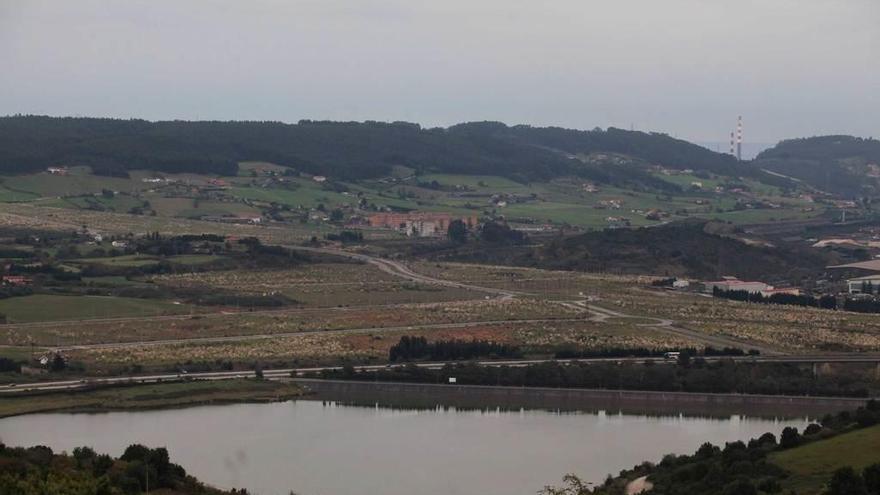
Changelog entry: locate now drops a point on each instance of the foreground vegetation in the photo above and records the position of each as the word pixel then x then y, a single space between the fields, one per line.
pixel 837 456
pixel 813 464
pixel 40 471
pixel 153 396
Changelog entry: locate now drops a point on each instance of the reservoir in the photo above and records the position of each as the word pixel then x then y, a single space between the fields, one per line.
pixel 314 447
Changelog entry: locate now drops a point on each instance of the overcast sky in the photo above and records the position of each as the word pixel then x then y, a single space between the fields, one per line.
pixel 686 67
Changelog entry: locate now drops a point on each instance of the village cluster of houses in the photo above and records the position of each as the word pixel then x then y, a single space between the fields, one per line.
pixel 735 284
pixel 16 281
pixel 866 284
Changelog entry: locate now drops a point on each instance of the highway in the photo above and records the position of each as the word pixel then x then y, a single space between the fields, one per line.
pixel 274 374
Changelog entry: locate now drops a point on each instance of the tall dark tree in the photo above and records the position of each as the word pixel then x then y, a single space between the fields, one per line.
pixel 457 231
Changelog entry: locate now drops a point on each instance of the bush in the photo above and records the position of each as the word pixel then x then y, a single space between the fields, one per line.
pixel 789 438
pixel 846 481
pixel 871 475
pixel 740 487
pixel 7 365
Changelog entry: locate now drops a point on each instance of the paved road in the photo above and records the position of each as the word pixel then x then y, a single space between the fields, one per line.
pixel 398 269
pixel 17 388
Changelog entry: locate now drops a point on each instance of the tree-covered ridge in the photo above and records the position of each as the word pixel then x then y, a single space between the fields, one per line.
pixel 839 164
pixel 346 150
pixel 40 471
pixel 825 148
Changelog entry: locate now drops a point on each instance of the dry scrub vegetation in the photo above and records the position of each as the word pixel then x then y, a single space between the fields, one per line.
pixel 792 328
pixel 280 322
pixel 373 345
pixel 322 284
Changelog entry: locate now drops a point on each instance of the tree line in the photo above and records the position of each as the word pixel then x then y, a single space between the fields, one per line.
pixel 687 375
pixel 622 352
pixel 862 305
pixel 413 348
pixel 824 302
pixel 856 305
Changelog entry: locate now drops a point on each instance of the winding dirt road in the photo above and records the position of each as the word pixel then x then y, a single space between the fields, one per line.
pixel 599 313
pixel 400 270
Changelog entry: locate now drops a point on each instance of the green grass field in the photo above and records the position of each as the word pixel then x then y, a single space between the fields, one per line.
pixel 561 200
pixel 307 194
pixel 812 465
pixel 490 182
pixel 74 184
pixel 16 353
pixel 10 196
pixel 190 208
pixel 130 260
pixel 194 259
pixel 110 281
pixel 42 307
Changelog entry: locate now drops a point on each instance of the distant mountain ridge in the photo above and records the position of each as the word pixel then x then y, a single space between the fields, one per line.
pixel 348 150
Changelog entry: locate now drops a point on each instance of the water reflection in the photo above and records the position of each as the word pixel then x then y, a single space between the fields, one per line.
pixel 600 413
pixel 337 447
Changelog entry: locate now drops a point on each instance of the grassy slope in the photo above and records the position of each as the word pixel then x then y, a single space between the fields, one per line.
pixel 811 465
pixel 48 185
pixel 41 307
pixel 10 196
pixel 559 201
pixel 178 394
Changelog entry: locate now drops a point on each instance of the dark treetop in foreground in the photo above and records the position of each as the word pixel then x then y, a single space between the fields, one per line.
pixel 39 471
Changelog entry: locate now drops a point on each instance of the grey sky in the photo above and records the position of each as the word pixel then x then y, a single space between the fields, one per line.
pixel 686 67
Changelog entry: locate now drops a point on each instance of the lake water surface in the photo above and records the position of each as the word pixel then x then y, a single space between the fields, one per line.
pixel 315 448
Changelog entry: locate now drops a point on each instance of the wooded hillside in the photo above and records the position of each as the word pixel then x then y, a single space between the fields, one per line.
pixel 346 150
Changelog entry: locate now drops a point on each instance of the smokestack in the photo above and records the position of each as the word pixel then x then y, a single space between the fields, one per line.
pixel 732 149
pixel 739 138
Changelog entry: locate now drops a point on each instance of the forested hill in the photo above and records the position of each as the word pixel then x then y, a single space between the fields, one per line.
pixel 348 150
pixel 686 249
pixel 839 164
